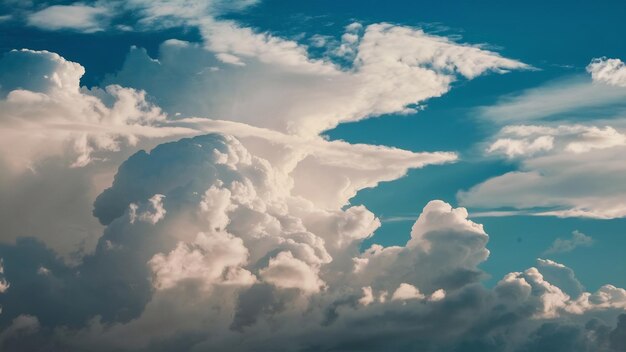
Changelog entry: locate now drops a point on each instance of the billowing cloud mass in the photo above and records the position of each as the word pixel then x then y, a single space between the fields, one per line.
pixel 48 121
pixel 203 210
pixel 237 262
pixel 609 71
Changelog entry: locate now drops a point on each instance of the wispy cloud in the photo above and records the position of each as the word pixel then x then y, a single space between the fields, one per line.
pixel 558 97
pixel 562 245
pixel 77 17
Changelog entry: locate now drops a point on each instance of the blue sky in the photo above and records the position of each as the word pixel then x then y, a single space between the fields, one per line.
pixel 319 131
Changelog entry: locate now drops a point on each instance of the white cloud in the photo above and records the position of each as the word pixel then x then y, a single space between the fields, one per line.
pixel 438 295
pixel 4 284
pixel 60 144
pixel 609 71
pixel 285 271
pixel 406 291
pixel 238 253
pixel 551 301
pixel 578 239
pixel 394 69
pixel 45 113
pixel 444 251
pixel 368 296
pixel 565 96
pixel 565 168
pixel 551 174
pixel 229 59
pixel 514 147
pixel 258 248
pixel 154 211
pixel 77 17
pixel 214 258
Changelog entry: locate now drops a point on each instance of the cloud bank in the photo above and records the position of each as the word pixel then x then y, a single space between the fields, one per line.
pixel 556 150
pixel 222 219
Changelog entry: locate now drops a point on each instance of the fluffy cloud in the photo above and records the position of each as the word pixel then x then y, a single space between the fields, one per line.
pixel 551 158
pixel 45 112
pixel 578 239
pixel 609 71
pixel 244 238
pixel 444 251
pixel 406 291
pixel 50 120
pixel 238 262
pixel 77 17
pixel 4 285
pixel 60 144
pixel 210 259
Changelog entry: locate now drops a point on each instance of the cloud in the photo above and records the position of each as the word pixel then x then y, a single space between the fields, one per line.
pixel 44 111
pixel 82 18
pixel 238 262
pixel 609 71
pixel 153 214
pixel 567 96
pixel 314 95
pixel 242 237
pixel 578 239
pixel 210 259
pixel 285 271
pixel 556 157
pixel 552 160
pixel 4 284
pixel 561 276
pixel 406 291
pixel 60 144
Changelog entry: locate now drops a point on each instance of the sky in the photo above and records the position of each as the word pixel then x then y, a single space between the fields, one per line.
pixel 259 175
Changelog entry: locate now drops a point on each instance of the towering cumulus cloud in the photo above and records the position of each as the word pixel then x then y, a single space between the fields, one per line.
pixel 207 247
pixel 202 209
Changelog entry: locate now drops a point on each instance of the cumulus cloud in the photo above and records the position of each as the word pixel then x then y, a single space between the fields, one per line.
pixel 76 17
pixel 609 71
pixel 578 239
pixel 154 212
pixel 242 237
pixel 214 259
pixel 60 144
pixel 99 127
pixel 45 112
pixel 406 291
pixel 239 262
pixel 4 284
pixel 314 95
